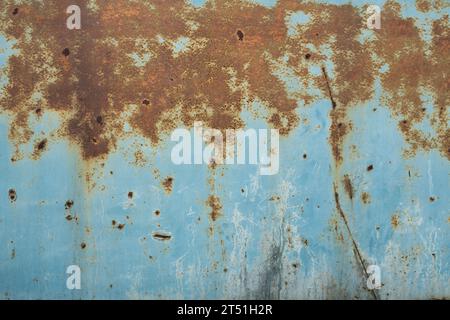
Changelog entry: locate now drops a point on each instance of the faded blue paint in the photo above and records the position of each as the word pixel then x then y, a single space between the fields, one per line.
pixel 250 241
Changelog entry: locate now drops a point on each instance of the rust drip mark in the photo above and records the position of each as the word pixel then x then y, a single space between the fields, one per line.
pixel 348 186
pixel 355 245
pixel 338 129
pixel 161 236
pixel 12 195
pixel 167 184
pixel 327 82
pixel 216 207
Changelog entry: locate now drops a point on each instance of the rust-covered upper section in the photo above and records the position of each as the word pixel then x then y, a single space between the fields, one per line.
pixel 155 65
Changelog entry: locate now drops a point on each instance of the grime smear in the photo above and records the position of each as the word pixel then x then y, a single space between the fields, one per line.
pixel 230 58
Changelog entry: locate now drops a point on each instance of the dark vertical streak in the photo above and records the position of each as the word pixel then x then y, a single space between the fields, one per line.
pixel 355 245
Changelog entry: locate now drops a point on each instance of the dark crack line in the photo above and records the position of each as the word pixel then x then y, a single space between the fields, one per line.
pixel 330 93
pixel 355 245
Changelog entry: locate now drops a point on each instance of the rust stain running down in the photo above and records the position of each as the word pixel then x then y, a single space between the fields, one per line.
pixel 348 186
pixel 214 204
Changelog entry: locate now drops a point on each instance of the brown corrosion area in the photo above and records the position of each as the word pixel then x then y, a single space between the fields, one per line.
pixel 395 221
pixel 213 202
pixel 365 197
pixel 167 184
pixel 348 186
pixel 12 195
pixel 123 67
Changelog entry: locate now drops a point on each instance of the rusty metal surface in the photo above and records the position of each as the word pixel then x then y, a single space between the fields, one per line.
pixel 85 163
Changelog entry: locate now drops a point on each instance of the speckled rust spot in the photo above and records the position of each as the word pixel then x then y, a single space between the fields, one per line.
pixel 130 195
pixel 167 184
pixel 83 245
pixel 157 213
pixel 12 195
pixel 68 204
pixel 395 221
pixel 216 207
pixel 122 68
pixel 365 197
pixel 39 148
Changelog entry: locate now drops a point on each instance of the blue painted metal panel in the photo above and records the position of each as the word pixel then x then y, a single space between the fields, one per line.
pixel 278 237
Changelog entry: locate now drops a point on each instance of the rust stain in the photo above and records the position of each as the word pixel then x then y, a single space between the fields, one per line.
pixel 365 197
pixel 395 221
pixel 39 148
pixel 356 249
pixel 162 236
pixel 215 205
pixel 69 204
pixel 348 186
pixel 92 80
pixel 167 184
pixel 12 195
